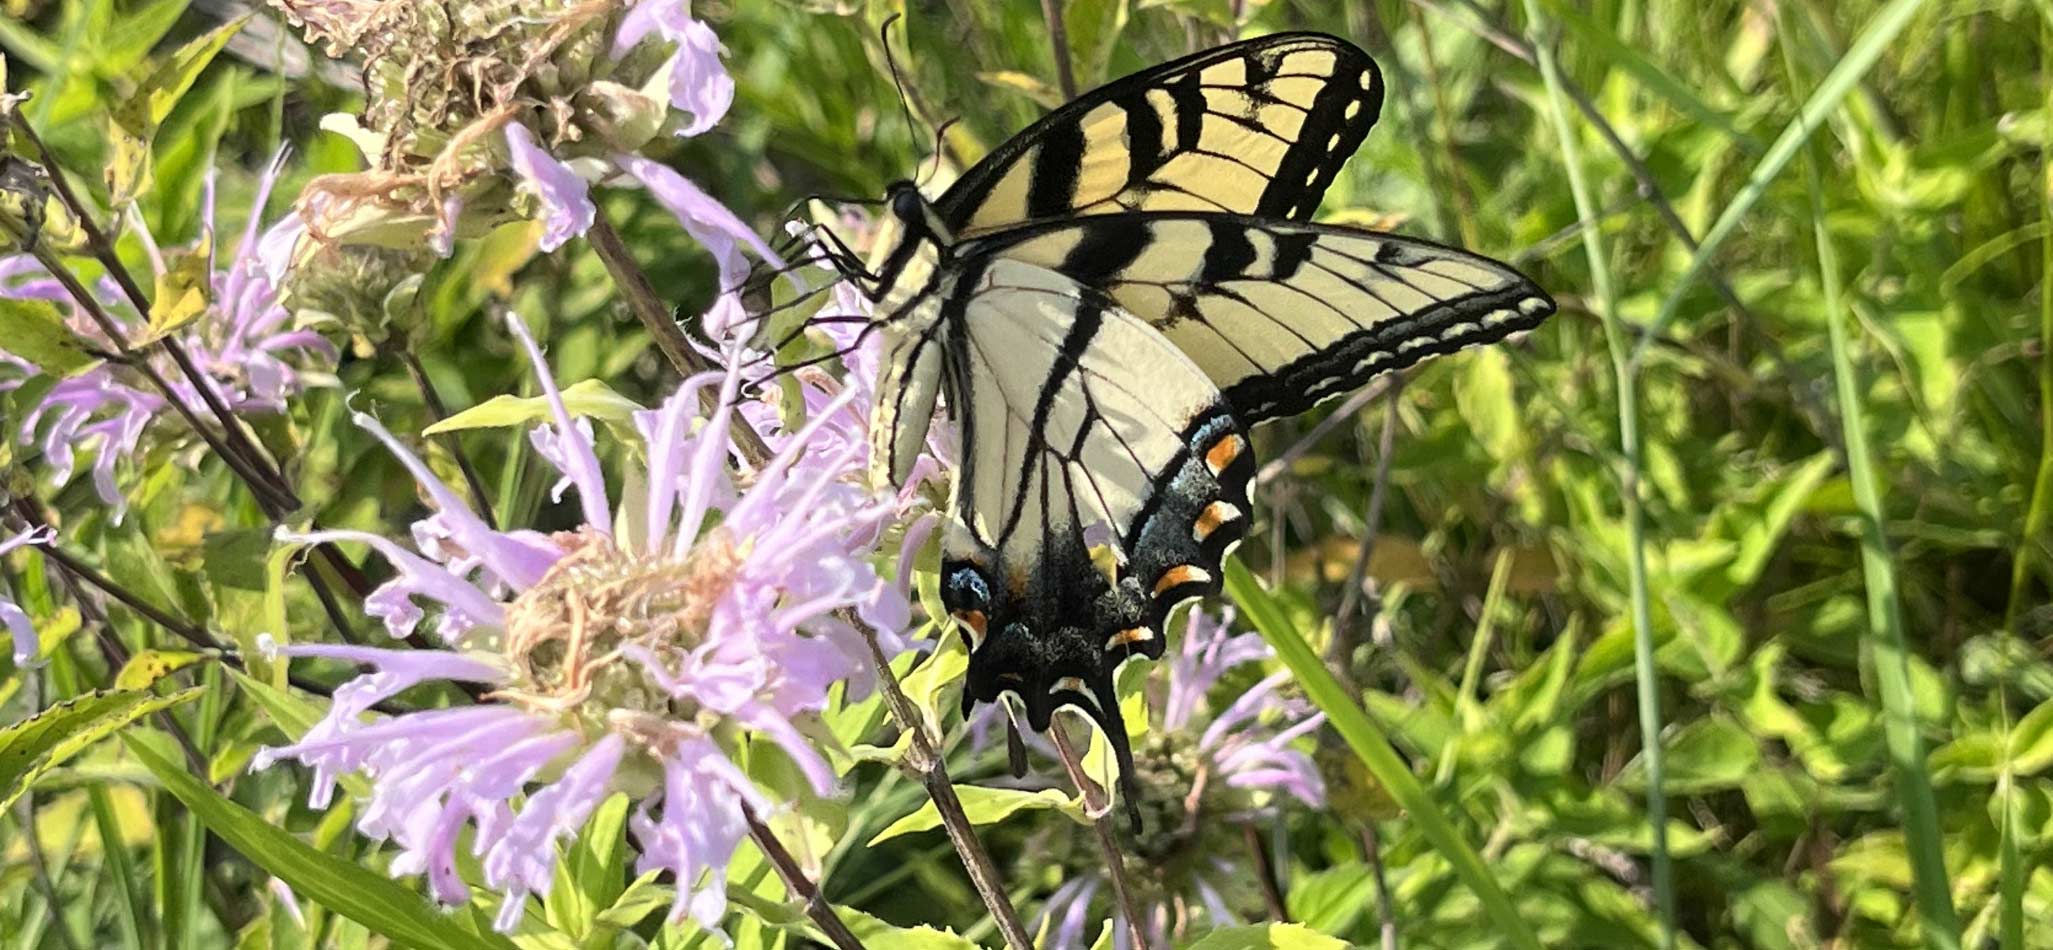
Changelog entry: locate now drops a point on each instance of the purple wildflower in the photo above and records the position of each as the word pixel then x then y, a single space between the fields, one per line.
pixel 697 79
pixel 1200 779
pixel 625 655
pixel 244 345
pixel 11 615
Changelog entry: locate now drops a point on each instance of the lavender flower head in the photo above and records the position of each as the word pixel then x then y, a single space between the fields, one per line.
pixel 1205 770
pixel 628 655
pixel 253 360
pixel 11 615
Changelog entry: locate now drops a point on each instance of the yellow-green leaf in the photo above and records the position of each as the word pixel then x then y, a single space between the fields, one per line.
pixel 589 399
pixel 983 806
pixel 149 666
pixel 183 291
pixel 35 331
pixel 46 740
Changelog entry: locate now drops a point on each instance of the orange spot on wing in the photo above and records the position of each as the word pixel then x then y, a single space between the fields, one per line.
pixel 1180 575
pixel 1223 452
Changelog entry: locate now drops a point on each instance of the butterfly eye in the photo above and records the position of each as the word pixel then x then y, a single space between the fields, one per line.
pixel 907 204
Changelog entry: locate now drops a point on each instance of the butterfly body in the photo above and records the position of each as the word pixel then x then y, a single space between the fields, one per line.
pixel 1108 302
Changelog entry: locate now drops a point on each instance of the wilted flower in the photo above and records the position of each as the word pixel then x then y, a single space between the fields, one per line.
pixel 488 111
pixel 238 336
pixel 1201 778
pixel 629 654
pixel 11 615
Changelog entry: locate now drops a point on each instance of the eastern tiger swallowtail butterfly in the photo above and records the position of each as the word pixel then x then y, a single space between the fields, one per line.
pixel 1109 300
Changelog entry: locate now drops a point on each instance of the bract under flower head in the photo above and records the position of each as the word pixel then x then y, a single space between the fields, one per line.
pixel 1203 772
pixel 622 656
pixel 243 343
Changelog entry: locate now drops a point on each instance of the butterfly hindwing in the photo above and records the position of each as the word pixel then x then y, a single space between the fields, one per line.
pixel 1281 314
pixel 1256 127
pixel 1081 428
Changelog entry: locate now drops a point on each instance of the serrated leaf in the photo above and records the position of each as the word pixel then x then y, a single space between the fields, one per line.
pixel 983 806
pixel 35 330
pixel 589 398
pixel 1266 937
pixel 46 740
pixel 149 666
pixel 386 907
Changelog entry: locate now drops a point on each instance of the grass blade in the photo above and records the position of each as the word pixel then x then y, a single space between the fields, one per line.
pixel 2038 519
pixel 1941 926
pixel 1347 717
pixel 362 895
pixel 1873 42
pixel 1624 371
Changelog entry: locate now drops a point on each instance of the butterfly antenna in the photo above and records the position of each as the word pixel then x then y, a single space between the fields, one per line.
pixel 897 79
pixel 935 167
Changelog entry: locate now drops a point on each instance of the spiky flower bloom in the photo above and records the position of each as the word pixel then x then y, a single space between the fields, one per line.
pixel 489 110
pixel 1206 769
pixel 244 344
pixel 11 615
pixel 631 654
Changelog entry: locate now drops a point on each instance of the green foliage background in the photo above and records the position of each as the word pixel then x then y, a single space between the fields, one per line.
pixel 1500 661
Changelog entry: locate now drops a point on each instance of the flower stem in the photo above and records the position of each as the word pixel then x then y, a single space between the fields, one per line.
pixel 800 886
pixel 924 759
pixel 1058 37
pixel 438 411
pixel 242 456
pixel 1386 920
pixel 1265 873
pixel 656 318
pixel 1096 804
pixel 264 477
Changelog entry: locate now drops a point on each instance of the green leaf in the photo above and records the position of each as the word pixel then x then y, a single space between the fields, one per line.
pixel 984 806
pixel 2031 740
pixel 379 903
pixel 35 331
pixel 1369 744
pixel 1706 755
pixel 586 399
pixel 46 740
pixel 1483 394
pixel 133 122
pixel 1266 937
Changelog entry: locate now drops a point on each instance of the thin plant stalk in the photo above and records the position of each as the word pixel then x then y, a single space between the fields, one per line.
pixel 798 885
pixel 437 412
pixel 1058 37
pixel 1922 839
pixel 1097 806
pixel 655 316
pixel 923 758
pixel 1472 668
pixel 1624 372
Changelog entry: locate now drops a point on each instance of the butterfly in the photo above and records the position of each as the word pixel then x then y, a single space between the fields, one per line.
pixel 1109 301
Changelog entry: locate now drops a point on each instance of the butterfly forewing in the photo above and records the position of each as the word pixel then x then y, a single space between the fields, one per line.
pixel 1281 315
pixel 1256 127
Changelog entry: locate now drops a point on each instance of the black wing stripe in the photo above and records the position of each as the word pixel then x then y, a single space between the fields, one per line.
pixel 1331 89
pixel 1057 163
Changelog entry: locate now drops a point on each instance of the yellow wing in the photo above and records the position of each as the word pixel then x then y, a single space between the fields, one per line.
pixel 1282 315
pixel 1256 127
